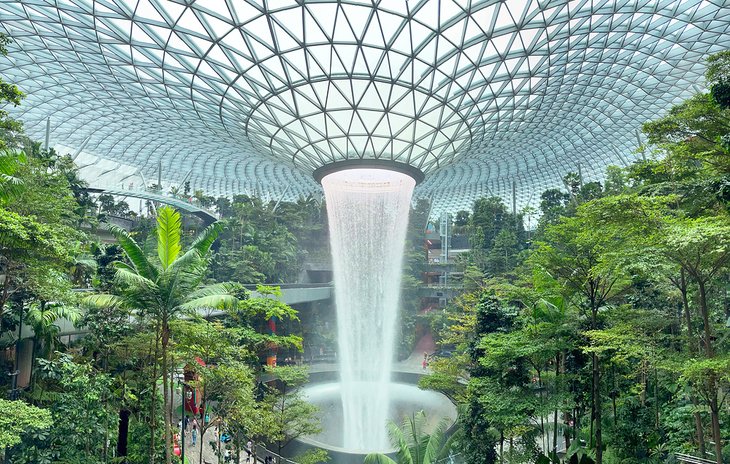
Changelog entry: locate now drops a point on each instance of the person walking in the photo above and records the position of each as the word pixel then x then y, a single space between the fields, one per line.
pixel 249 445
pixel 194 432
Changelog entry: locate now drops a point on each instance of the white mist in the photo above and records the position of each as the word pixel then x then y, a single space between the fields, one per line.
pixel 368 218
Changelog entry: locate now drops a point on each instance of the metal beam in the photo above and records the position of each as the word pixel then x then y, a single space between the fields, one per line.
pixel 81 148
pixel 48 134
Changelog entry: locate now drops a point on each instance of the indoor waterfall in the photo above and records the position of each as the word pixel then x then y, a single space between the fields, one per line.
pixel 368 217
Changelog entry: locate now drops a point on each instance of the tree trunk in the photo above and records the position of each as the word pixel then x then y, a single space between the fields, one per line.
pixel 597 409
pixel 656 397
pixel 711 382
pixel 556 412
pixel 699 428
pixel 123 434
pixel 153 393
pixel 171 389
pixel 165 392
pixel 204 404
pixel 501 447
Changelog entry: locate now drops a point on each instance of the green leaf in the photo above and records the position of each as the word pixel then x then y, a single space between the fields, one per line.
pixel 134 252
pixel 169 226
pixel 377 458
pixel 103 300
pixel 223 302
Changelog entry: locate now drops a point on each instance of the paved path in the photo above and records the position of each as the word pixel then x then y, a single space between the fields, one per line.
pixel 412 364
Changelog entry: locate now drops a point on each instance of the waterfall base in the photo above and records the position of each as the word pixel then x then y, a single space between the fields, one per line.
pixel 406 398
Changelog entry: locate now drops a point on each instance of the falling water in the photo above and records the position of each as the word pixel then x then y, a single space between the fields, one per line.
pixel 368 217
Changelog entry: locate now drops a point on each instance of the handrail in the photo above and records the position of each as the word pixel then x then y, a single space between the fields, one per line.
pixel 689 459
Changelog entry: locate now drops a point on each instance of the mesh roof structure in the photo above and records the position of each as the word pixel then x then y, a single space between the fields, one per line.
pixel 250 96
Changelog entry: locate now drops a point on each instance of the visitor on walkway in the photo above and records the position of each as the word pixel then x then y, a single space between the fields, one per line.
pixel 424 364
pixel 248 450
pixel 194 432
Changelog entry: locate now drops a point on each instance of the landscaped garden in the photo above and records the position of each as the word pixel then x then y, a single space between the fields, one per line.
pixel 593 328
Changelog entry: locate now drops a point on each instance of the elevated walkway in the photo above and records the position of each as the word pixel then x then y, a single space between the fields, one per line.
pixel 208 217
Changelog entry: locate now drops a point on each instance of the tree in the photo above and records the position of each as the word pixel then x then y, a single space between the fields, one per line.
pixel 230 388
pixel 699 247
pixel 313 456
pixel 39 239
pixel 42 316
pixel 83 423
pixel 413 444
pixel 718 76
pixel 9 95
pixel 165 288
pixel 18 418
pixel 10 184
pixel 552 205
pixel 581 255
pixel 294 416
pixel 462 218
pixel 694 245
pixel 693 130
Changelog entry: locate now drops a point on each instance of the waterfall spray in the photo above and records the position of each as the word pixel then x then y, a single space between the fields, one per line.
pixel 368 217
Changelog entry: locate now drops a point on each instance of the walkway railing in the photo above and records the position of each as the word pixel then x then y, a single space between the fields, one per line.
pixel 689 459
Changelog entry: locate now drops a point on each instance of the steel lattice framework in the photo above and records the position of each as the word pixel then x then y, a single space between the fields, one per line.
pixel 245 96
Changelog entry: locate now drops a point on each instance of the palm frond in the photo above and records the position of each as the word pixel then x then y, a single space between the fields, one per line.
pixel 127 276
pixel 168 235
pixel 86 262
pixel 205 239
pixel 190 258
pixel 223 288
pixel 10 160
pixel 223 302
pixel 399 440
pixel 377 458
pixel 435 445
pixel 134 252
pixel 102 300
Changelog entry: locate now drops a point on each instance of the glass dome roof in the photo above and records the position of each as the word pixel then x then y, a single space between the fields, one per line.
pixel 245 96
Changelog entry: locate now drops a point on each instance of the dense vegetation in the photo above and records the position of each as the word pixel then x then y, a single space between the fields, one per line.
pixel 604 333
pixel 109 396
pixel 600 335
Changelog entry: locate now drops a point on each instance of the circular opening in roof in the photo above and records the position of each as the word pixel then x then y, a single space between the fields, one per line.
pixel 328 120
pixel 368 165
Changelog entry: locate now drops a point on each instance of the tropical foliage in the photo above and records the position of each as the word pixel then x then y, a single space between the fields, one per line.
pixel 606 339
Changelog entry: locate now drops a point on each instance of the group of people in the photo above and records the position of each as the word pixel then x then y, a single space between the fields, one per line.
pixel 194 425
pixel 183 424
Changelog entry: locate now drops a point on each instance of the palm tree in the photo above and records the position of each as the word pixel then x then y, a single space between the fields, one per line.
pixel 43 316
pixel 413 445
pixel 164 289
pixel 10 161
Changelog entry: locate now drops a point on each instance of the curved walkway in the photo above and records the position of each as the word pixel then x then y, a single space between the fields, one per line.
pixel 208 217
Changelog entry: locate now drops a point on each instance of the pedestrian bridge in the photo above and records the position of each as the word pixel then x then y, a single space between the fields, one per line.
pixel 208 217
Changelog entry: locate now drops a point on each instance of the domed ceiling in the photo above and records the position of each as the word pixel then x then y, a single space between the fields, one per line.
pixel 245 96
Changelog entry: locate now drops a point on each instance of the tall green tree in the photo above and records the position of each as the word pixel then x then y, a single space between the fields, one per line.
pixel 583 258
pixel 9 95
pixel 166 288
